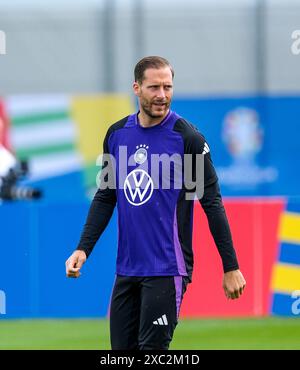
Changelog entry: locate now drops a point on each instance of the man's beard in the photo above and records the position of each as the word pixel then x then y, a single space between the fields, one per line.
pixel 147 109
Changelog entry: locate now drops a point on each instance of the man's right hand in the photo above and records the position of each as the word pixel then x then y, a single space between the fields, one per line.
pixel 74 264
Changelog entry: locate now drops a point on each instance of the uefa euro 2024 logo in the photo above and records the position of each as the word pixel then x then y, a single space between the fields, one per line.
pixel 243 136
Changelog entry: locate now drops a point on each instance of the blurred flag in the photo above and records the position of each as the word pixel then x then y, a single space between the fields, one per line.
pixel 43 132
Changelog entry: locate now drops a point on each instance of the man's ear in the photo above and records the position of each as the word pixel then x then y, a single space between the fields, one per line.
pixel 136 88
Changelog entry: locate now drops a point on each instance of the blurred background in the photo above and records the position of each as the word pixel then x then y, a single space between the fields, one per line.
pixel 66 73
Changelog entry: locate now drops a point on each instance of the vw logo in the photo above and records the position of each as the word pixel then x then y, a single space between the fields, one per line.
pixel 138 187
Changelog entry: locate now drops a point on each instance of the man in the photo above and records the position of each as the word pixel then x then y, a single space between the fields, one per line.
pixel 155 258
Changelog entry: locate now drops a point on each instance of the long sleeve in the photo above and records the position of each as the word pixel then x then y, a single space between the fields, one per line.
pixel 211 201
pixel 100 211
pixel 212 205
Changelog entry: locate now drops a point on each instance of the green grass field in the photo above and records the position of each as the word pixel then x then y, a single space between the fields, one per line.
pixel 263 333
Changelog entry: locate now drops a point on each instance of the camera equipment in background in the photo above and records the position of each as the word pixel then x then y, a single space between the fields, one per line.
pixel 10 191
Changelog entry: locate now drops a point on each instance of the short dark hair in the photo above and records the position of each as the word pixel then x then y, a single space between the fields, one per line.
pixel 150 62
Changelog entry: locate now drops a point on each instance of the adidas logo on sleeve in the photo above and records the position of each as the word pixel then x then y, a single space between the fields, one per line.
pixel 206 149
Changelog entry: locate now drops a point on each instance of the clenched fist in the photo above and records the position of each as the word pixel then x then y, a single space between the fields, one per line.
pixel 74 264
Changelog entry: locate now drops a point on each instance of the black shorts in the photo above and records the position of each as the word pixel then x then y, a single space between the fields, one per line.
pixel 144 311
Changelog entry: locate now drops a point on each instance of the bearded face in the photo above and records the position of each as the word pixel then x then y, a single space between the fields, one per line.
pixel 155 92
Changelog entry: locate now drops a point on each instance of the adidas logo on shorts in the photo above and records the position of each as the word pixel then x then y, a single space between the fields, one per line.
pixel 161 320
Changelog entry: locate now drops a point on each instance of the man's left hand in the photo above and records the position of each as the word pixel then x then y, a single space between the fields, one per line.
pixel 233 284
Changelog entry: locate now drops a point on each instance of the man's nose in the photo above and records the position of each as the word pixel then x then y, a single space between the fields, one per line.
pixel 161 93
